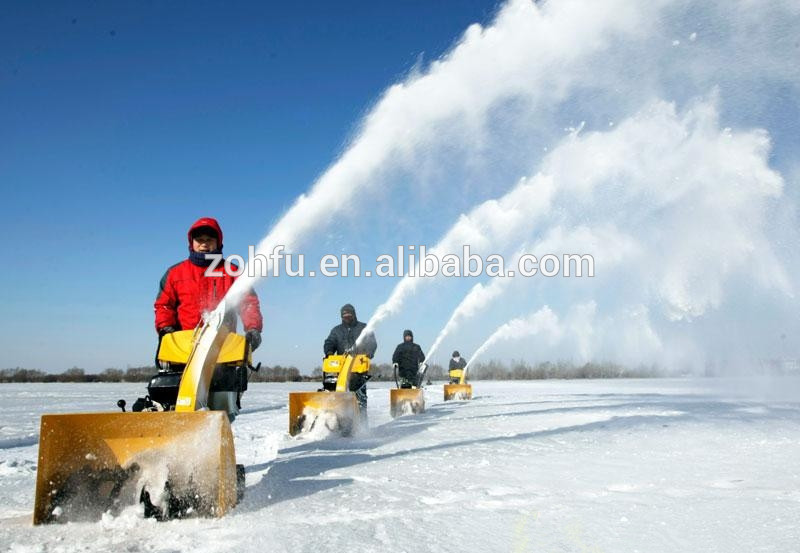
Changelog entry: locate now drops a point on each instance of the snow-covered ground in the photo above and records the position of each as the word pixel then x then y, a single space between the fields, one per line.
pixel 585 466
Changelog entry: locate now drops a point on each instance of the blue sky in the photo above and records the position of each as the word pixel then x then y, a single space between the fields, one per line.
pixel 122 122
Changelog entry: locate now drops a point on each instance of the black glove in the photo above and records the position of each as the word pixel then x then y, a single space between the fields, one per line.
pixel 253 337
pixel 167 330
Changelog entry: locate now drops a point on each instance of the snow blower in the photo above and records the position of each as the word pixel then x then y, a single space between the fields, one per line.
pixel 407 401
pixel 174 456
pixel 462 390
pixel 334 406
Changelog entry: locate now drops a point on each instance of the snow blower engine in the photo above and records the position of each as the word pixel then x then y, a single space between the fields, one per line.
pixel 228 382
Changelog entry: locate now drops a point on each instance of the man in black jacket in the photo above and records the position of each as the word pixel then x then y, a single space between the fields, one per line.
pixel 407 358
pixel 342 339
pixel 457 363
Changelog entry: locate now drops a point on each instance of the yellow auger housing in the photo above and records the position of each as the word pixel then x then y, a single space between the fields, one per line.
pixel 337 410
pixel 462 390
pixel 406 401
pixel 175 462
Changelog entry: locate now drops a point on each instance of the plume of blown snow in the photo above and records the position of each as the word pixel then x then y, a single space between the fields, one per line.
pixel 694 195
pixel 675 211
pixel 478 298
pixel 513 57
pixel 543 321
pixel 493 224
pixel 605 241
pixel 664 177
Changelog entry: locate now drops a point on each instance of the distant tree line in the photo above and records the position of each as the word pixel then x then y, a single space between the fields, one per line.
pixel 381 372
pixel 520 370
pixel 75 374
pixel 135 374
pixel 277 374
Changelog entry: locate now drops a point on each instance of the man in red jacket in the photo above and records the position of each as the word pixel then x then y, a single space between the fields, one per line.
pixel 186 293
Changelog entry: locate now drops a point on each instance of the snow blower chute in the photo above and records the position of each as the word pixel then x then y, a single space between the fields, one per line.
pixel 335 406
pixel 175 456
pixel 462 390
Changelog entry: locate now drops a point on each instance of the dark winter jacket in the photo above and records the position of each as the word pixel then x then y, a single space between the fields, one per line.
pixel 459 363
pixel 185 293
pixel 343 337
pixel 408 356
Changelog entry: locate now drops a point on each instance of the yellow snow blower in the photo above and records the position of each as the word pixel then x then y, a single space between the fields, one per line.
pixel 407 401
pixel 334 407
pixel 175 455
pixel 462 390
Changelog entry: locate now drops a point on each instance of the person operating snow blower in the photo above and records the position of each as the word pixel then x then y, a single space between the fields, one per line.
pixel 407 358
pixel 340 406
pixel 456 369
pixel 174 454
pixel 186 293
pixel 341 341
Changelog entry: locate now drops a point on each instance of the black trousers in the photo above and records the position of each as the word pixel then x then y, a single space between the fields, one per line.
pixel 358 384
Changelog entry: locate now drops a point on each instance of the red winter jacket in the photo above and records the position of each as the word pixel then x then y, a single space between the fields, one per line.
pixel 186 293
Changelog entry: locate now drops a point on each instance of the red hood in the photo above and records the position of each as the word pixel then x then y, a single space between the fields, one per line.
pixel 205 222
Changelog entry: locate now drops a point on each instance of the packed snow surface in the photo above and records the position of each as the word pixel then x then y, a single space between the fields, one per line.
pixel 585 466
